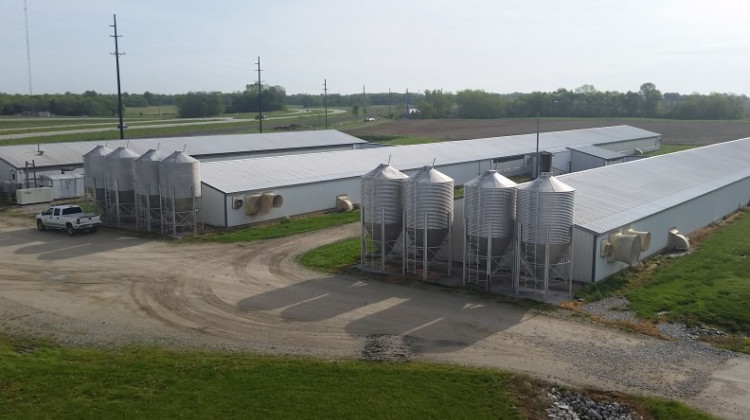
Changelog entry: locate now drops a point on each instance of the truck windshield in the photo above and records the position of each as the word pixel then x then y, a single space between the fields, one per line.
pixel 72 210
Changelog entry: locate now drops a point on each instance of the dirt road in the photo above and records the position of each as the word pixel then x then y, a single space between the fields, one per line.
pixel 109 289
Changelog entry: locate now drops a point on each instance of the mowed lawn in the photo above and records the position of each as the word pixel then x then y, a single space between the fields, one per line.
pixel 710 286
pixel 51 382
pixel 46 381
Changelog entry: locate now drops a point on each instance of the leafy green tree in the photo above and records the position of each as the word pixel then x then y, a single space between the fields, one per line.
pixel 200 104
pixel 651 99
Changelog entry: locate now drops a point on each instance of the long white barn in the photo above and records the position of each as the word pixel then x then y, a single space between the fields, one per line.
pixel 312 182
pixel 19 164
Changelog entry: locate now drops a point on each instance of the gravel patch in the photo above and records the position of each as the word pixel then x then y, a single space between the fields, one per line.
pixel 567 405
pixel 386 348
pixel 610 309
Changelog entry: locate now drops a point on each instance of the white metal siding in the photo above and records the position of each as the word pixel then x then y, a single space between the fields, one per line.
pixel 561 162
pixel 580 161
pixel 648 144
pixel 686 217
pixel 212 206
pixel 583 254
pixel 298 199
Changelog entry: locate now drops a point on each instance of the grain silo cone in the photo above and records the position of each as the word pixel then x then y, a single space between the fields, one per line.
pixel 120 184
pixel 545 220
pixel 382 208
pixel 180 185
pixel 490 211
pixel 94 169
pixel 148 206
pixel 428 201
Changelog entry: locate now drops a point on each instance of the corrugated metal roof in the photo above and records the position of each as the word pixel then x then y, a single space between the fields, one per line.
pixel 610 197
pixel 262 173
pixel 71 153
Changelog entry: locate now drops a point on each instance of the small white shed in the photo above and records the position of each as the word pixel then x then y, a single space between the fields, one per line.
pixel 69 185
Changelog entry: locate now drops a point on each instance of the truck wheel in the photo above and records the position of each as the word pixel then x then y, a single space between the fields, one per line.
pixel 70 230
pixel 94 229
pixel 40 225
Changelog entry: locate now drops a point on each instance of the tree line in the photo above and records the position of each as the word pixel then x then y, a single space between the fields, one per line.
pixel 585 101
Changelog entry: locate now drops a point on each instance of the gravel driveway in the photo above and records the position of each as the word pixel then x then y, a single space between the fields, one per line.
pixel 108 289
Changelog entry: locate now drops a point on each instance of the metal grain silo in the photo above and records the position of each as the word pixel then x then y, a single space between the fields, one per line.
pixel 382 213
pixel 148 205
pixel 428 208
pixel 94 169
pixel 545 213
pixel 120 184
pixel 490 217
pixel 180 183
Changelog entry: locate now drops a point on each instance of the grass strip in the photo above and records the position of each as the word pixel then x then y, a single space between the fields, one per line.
pixel 711 286
pixel 284 227
pixel 333 258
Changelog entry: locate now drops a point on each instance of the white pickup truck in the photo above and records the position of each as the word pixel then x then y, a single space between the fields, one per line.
pixel 68 217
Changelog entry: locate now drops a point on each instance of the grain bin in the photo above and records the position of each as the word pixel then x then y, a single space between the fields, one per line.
pixel 120 184
pixel 94 167
pixel 428 207
pixel 490 210
pixel 147 200
pixel 180 181
pixel 490 217
pixel 545 212
pixel 382 205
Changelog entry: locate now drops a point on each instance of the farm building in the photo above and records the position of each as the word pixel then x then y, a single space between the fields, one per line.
pixel 314 182
pixel 582 226
pixel 21 164
pixel 685 191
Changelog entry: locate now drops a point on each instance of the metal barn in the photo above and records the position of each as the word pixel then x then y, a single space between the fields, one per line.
pixel 312 182
pixel 685 191
pixel 20 164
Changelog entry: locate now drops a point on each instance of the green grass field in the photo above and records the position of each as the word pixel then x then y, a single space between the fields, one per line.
pixel 285 227
pixel 45 381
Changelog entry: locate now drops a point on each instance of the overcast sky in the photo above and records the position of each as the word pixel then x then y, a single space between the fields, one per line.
pixel 176 46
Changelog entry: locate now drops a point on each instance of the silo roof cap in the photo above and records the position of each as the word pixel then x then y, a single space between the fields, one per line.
pixel 546 183
pixel 430 174
pixel 491 179
pixel 385 171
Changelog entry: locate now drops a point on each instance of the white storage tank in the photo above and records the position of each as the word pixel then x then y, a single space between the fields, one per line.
pixel 428 200
pixel 382 206
pixel 490 211
pixel 180 186
pixel 545 213
pixel 148 205
pixel 120 185
pixel 95 168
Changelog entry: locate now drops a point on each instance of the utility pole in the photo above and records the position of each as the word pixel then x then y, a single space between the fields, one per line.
pixel 28 55
pixel 117 63
pixel 389 102
pixel 260 101
pixel 536 175
pixel 364 103
pixel 407 102
pixel 325 100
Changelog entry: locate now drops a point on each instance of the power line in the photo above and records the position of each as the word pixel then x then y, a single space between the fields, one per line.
pixel 117 55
